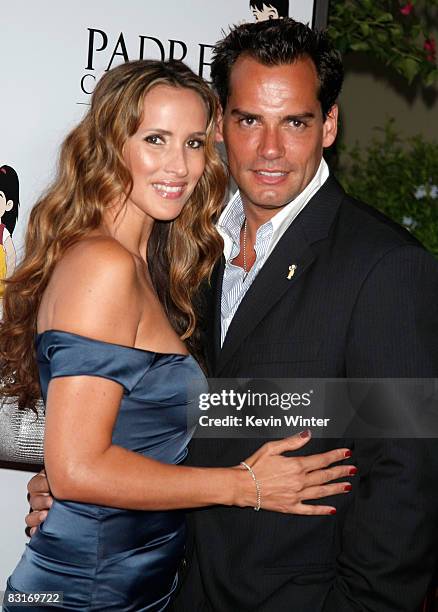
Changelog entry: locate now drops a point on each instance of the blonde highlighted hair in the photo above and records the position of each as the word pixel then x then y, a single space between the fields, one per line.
pixel 91 176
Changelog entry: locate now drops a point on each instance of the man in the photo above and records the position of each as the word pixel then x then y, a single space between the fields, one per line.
pixel 361 303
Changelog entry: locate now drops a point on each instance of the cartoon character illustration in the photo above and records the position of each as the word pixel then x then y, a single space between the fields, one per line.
pixel 269 9
pixel 9 204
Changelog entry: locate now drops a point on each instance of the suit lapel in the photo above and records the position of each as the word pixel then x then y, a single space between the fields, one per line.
pixel 269 286
pixel 272 282
pixel 213 309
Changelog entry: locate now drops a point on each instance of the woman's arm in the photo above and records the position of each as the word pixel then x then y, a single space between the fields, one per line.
pixel 95 292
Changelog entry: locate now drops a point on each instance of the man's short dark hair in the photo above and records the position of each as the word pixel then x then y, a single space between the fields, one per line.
pixel 282 6
pixel 275 42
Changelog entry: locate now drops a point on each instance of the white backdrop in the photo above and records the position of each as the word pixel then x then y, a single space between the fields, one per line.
pixel 52 53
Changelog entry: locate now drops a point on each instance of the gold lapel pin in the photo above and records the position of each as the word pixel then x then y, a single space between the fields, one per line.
pixel 292 269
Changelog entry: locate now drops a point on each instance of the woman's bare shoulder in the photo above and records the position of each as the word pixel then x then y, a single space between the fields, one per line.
pixel 99 252
pixel 94 288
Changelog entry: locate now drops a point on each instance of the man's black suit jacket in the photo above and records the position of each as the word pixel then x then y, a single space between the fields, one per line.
pixel 363 303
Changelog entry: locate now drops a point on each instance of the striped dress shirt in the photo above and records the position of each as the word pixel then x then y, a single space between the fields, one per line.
pixel 235 285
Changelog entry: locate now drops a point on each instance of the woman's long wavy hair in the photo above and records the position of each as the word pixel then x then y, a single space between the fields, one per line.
pixel 92 176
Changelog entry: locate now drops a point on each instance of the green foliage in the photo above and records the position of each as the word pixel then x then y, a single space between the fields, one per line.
pixel 395 32
pixel 400 178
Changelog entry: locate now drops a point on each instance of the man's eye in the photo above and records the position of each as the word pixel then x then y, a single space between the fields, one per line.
pixel 296 123
pixel 154 139
pixel 248 121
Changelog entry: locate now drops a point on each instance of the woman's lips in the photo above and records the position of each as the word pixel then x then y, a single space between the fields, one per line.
pixel 169 191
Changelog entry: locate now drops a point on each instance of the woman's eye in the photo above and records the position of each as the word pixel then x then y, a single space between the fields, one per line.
pixel 154 139
pixel 195 144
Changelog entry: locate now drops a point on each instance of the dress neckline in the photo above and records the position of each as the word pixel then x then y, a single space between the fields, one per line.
pixel 40 335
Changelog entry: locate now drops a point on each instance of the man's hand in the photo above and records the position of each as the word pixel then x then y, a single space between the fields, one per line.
pixel 40 501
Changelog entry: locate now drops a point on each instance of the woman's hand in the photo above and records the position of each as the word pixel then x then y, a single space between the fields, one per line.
pixel 286 482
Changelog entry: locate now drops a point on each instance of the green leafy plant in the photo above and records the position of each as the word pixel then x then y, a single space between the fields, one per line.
pixel 399 177
pixel 395 32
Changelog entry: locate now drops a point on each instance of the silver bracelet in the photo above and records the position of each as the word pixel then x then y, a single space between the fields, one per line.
pixel 257 484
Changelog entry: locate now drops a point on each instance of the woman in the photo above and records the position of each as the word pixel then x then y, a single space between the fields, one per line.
pixel 115 253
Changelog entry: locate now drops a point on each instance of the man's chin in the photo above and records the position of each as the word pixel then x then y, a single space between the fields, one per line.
pixel 269 199
pixel 276 203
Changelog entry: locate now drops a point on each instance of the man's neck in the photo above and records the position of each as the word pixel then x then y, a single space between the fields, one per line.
pixel 257 216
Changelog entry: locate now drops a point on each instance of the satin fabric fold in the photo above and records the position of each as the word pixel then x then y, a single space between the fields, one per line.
pixel 105 558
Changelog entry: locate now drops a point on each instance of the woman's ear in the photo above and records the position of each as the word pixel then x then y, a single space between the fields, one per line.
pixel 9 205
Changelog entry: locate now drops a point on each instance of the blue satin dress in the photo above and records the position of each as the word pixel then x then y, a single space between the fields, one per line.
pixel 105 558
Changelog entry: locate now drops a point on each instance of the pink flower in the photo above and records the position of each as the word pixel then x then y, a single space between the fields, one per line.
pixel 407 8
pixel 430 48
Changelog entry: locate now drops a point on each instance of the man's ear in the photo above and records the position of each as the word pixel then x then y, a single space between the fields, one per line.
pixel 219 127
pixel 330 127
pixel 9 205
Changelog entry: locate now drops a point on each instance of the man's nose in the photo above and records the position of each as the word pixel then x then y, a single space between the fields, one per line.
pixel 271 144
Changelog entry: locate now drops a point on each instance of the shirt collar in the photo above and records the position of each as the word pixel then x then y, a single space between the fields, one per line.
pixel 284 218
pixel 232 217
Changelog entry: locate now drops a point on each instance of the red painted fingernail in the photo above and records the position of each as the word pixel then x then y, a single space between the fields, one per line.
pixel 348 487
pixel 305 434
pixel 333 511
pixel 352 472
pixel 348 454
